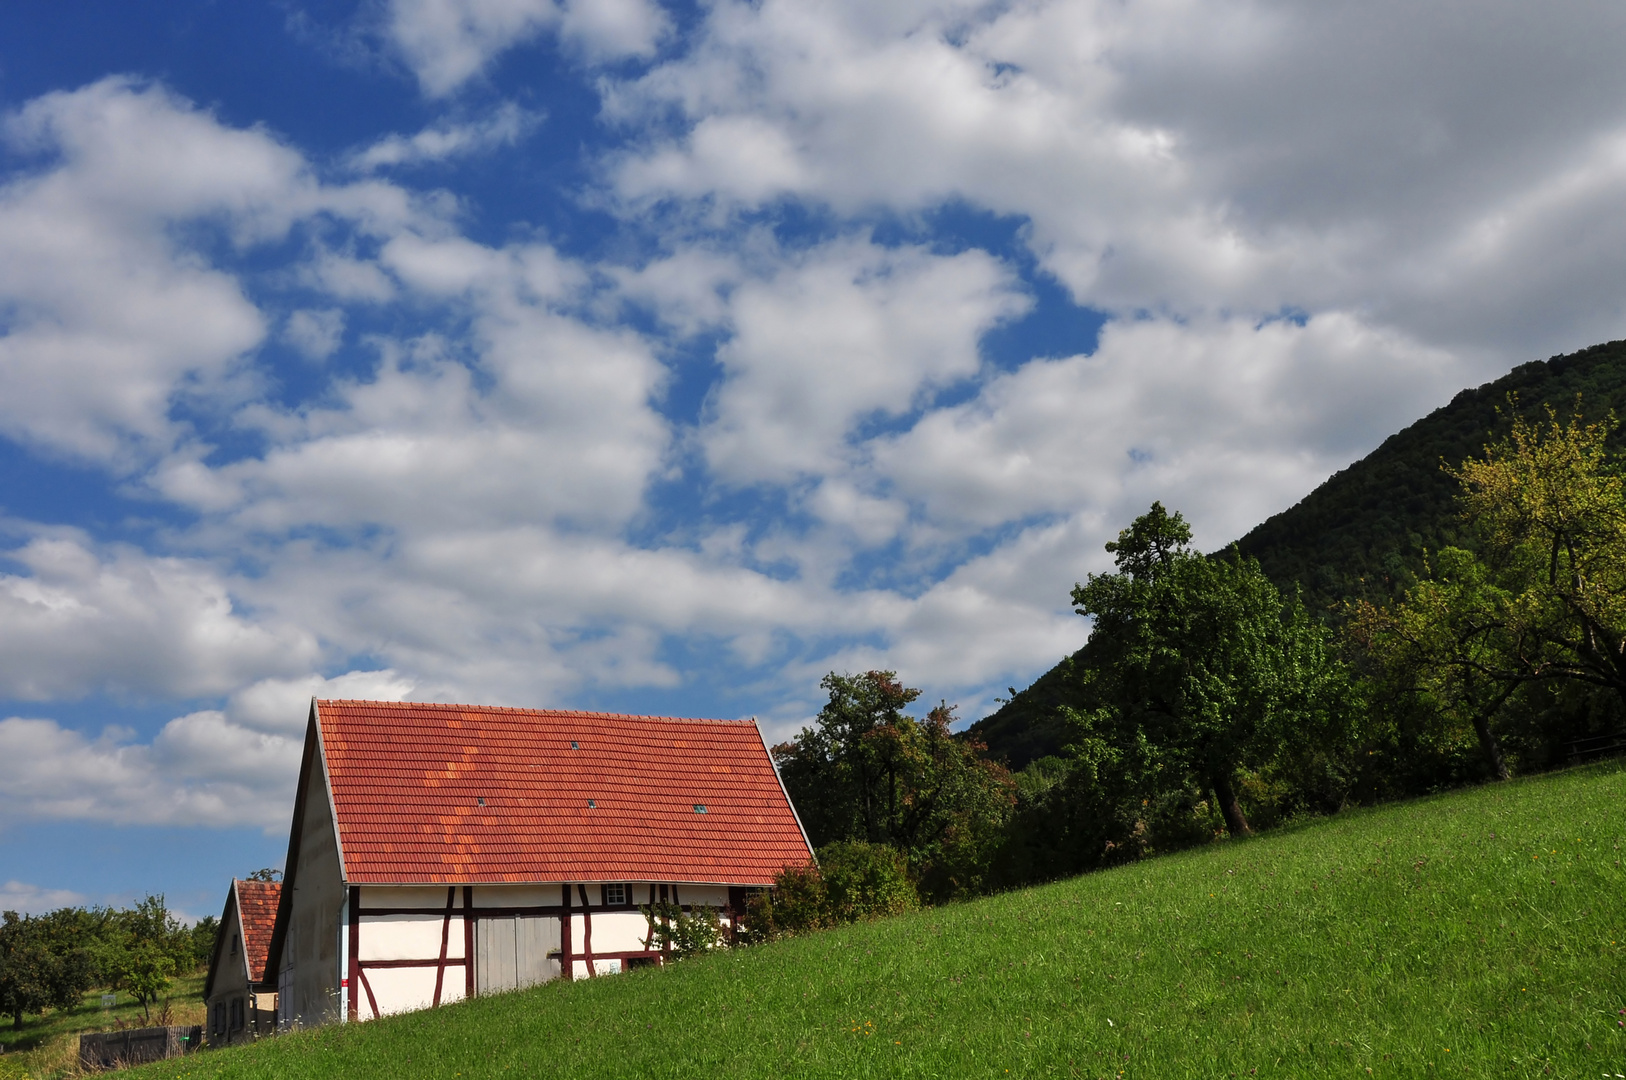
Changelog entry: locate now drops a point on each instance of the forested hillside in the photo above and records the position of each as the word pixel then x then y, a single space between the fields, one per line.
pixel 1364 532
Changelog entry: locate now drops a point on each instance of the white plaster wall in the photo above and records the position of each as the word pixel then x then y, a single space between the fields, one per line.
pixel 407 896
pixel 405 989
pixel 619 931
pixel 488 896
pixel 407 937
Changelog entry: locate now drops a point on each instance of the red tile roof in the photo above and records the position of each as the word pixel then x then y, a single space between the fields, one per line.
pixel 460 793
pixel 257 906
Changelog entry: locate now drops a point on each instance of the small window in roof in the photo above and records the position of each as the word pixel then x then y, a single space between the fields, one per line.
pixel 591 804
pixel 700 808
pixel 574 745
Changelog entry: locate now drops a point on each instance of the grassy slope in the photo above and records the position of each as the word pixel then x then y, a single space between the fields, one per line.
pixel 48 1045
pixel 1480 933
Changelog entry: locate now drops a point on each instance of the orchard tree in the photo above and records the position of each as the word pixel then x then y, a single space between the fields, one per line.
pixel 868 772
pixel 37 970
pixel 1197 668
pixel 1543 600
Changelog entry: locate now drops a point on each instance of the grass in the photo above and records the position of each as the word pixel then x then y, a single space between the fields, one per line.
pixel 1477 934
pixel 47 1047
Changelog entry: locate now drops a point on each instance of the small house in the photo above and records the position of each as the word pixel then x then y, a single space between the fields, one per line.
pixel 442 851
pixel 242 1001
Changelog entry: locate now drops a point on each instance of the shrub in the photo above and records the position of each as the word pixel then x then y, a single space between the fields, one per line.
pixel 851 881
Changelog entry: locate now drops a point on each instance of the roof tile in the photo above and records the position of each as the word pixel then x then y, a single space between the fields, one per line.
pixel 459 793
pixel 257 904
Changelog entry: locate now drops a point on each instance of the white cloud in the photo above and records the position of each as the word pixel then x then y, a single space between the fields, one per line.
pixel 1305 227
pixel 316 334
pixel 445 140
pixel 85 619
pixel 448 42
pixel 1226 420
pixel 111 315
pixel 1186 155
pixel 35 900
pixel 213 767
pixel 848 331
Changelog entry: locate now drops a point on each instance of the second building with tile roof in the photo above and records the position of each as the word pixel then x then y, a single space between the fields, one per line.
pixel 442 851
pixel 241 997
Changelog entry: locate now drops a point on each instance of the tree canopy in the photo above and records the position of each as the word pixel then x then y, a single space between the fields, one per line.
pixel 1197 667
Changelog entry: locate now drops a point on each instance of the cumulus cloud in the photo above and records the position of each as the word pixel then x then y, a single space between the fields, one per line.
pixel 448 42
pixel 848 331
pixel 236 766
pixel 506 126
pixel 84 618
pixel 35 900
pixel 315 334
pixel 110 315
pixel 1183 155
pixel 1226 419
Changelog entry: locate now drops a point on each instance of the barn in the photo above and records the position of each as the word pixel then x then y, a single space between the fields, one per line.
pixel 241 999
pixel 443 851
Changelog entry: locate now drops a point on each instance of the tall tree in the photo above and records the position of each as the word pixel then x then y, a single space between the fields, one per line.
pixel 1198 667
pixel 869 772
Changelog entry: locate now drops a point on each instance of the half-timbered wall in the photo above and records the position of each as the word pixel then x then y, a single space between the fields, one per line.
pixel 410 947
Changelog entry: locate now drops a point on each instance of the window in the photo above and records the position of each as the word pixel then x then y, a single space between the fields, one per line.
pixel 699 808
pixel 234 942
pixel 615 895
pixel 237 1014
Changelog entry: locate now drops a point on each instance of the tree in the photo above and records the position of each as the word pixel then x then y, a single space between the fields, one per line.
pixel 1446 645
pixel 38 972
pixel 144 970
pixel 1543 600
pixel 1549 505
pixel 868 772
pixel 1198 668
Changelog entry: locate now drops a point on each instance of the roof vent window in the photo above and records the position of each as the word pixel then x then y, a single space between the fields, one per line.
pixel 700 808
pixel 591 804
pixel 574 745
pixel 481 800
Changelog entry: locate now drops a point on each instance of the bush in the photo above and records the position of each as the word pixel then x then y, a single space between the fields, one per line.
pixel 682 934
pixel 851 881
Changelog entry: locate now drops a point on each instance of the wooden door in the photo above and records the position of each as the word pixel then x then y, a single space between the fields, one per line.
pixel 511 952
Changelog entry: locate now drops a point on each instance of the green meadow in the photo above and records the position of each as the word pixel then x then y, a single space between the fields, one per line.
pixel 1480 933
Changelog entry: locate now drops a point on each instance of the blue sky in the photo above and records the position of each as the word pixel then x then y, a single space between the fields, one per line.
pixel 654 357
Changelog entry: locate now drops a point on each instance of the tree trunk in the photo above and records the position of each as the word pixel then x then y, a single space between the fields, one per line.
pixel 1235 822
pixel 17 1020
pixel 1489 744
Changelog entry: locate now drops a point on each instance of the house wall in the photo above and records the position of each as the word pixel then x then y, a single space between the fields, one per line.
pixel 411 946
pixel 239 1010
pixel 228 983
pixel 309 983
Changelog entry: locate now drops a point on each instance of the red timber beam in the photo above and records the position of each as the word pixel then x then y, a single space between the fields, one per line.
pixel 353 976
pixel 587 931
pixel 566 961
pixel 445 939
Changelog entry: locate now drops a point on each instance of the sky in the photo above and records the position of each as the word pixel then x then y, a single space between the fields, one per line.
pixel 663 357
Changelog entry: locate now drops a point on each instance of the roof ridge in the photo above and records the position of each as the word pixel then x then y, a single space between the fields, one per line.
pixel 583 713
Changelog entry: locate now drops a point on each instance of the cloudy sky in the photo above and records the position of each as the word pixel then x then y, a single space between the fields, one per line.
pixel 661 357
